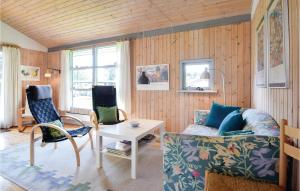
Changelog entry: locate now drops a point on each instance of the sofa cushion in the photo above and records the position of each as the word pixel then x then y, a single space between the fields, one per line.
pixel 232 122
pixel 260 123
pixel 200 130
pixel 217 114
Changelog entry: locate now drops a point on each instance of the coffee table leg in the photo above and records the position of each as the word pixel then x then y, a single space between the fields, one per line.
pixel 99 147
pixel 134 148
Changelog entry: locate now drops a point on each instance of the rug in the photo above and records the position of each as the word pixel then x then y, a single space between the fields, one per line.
pixel 55 169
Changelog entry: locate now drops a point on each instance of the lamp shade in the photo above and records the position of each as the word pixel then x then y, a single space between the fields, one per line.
pixel 205 75
pixel 47 74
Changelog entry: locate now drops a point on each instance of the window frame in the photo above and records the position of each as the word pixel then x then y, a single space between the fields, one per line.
pixel 202 61
pixel 94 68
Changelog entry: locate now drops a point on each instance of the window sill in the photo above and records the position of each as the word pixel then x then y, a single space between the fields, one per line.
pixel 198 91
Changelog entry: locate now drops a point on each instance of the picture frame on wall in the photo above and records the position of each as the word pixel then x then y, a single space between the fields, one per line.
pixel 30 73
pixel 261 54
pixel 278 45
pixel 152 77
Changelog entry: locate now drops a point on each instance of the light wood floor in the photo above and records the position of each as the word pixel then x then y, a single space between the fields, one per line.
pixel 8 139
pixel 12 137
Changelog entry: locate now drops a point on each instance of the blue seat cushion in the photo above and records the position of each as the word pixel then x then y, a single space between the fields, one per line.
pixel 74 133
pixel 217 114
pixel 233 121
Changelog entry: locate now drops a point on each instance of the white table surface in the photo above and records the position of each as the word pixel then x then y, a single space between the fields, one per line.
pixel 124 131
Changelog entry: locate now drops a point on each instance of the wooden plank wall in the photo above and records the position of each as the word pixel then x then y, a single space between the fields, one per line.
pixel 280 103
pixel 53 60
pixel 33 58
pixel 228 45
pixel 41 59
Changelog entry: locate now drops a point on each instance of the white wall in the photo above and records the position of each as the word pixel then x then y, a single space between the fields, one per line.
pixel 10 35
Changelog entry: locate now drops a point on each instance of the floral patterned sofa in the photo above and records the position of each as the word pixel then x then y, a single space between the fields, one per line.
pixel 188 155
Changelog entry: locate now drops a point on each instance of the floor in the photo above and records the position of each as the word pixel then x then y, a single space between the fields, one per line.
pixel 7 139
pixel 12 137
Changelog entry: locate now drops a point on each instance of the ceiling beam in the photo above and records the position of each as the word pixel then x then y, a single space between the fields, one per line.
pixel 167 30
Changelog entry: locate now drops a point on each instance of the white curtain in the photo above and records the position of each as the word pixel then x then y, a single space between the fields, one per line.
pixel 123 82
pixel 65 81
pixel 11 87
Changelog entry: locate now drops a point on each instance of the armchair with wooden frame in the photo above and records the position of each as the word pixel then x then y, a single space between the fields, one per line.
pixel 44 112
pixel 105 96
pixel 214 181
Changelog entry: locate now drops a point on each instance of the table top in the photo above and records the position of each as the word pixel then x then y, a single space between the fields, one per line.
pixel 125 131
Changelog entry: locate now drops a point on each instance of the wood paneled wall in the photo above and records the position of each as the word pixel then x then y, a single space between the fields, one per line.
pixel 228 45
pixel 280 103
pixel 43 60
pixel 53 60
pixel 33 58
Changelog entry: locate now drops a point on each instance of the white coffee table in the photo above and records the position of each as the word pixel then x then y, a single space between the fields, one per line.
pixel 123 131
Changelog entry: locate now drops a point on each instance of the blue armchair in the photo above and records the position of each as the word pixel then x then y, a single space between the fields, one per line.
pixel 47 118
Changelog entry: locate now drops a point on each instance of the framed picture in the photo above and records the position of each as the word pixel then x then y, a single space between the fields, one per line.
pixel 278 45
pixel 261 54
pixel 30 73
pixel 152 77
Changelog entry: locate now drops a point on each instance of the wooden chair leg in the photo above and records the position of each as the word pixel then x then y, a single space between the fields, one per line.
pixel 76 150
pixel 91 139
pixel 32 148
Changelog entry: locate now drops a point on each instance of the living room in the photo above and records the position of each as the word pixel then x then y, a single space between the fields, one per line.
pixel 150 95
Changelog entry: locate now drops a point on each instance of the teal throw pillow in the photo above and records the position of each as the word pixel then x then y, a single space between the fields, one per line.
pixel 217 114
pixel 238 132
pixel 54 132
pixel 107 115
pixel 232 122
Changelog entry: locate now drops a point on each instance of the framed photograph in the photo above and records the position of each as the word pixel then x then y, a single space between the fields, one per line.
pixel 30 73
pixel 278 45
pixel 152 77
pixel 261 54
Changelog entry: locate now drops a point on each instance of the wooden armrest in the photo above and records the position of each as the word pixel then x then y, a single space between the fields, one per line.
pixel 72 117
pixel 53 127
pixel 124 114
pixel 93 119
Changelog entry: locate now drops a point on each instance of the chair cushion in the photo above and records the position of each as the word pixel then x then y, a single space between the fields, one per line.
pixel 107 114
pixel 232 122
pixel 39 92
pixel 200 130
pixel 79 132
pixel 220 182
pixel 54 132
pixel 217 114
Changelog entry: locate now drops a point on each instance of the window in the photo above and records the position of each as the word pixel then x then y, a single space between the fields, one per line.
pixel 93 66
pixel 197 74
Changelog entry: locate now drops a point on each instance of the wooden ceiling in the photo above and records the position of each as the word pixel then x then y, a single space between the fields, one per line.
pixel 61 22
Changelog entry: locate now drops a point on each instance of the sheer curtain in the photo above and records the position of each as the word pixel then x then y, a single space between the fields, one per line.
pixel 123 82
pixel 11 87
pixel 65 81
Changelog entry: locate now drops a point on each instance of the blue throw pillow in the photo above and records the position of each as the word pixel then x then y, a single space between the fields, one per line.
pixel 232 122
pixel 217 114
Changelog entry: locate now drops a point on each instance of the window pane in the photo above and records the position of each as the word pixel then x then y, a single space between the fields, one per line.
pixel 82 86
pixel 82 99
pixel 192 76
pixel 107 56
pixel 106 75
pixel 83 58
pixel 83 75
